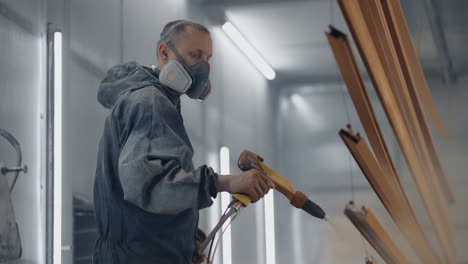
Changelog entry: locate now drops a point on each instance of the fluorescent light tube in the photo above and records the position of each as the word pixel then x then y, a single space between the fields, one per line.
pixel 57 242
pixel 225 200
pixel 214 211
pixel 270 228
pixel 249 51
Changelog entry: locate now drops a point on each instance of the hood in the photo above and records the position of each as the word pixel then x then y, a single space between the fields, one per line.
pixel 122 78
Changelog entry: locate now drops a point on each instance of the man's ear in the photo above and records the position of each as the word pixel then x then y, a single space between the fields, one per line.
pixel 163 52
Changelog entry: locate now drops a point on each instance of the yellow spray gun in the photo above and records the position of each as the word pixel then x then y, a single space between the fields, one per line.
pixel 249 160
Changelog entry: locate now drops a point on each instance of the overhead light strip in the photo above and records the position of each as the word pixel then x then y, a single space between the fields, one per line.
pixel 249 51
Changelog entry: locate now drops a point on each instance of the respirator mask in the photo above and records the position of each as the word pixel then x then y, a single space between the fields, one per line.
pixel 192 81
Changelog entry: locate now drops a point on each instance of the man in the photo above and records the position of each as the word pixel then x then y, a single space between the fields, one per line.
pixel 147 193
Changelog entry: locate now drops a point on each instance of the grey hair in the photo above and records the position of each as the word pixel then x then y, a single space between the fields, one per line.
pixel 172 31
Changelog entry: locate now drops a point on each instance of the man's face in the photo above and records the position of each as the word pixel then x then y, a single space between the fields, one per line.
pixel 194 46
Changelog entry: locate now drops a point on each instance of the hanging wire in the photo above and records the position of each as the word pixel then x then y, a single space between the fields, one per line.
pixel 351 177
pixel 232 209
pixel 332 14
pixel 220 237
pixel 348 118
pixel 366 250
pixel 393 82
pixel 445 76
pixel 345 102
pixel 223 216
pixel 209 251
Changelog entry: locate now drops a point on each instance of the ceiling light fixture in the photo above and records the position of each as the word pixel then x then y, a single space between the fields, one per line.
pixel 249 51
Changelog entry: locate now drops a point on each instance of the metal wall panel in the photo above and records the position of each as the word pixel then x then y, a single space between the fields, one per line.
pixel 22 49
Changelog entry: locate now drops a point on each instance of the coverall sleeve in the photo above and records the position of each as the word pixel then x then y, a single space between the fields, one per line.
pixel 152 161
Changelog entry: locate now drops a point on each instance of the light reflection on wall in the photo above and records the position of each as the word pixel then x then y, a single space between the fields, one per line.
pixel 313 120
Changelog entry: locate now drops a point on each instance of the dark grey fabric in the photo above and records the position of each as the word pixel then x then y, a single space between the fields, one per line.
pixel 146 193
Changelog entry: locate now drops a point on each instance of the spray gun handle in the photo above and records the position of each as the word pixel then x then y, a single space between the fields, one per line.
pixel 247 161
pixel 243 198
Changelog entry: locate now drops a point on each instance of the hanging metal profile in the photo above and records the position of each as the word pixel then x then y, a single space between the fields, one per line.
pixel 390 188
pixel 399 78
pixel 384 73
pixel 371 260
pixel 357 90
pixel 392 195
pixel 368 225
pixel 414 90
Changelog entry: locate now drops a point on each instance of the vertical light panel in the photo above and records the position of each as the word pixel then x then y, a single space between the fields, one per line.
pixel 260 232
pixel 249 51
pixel 270 228
pixel 57 148
pixel 214 211
pixel 225 199
pixel 296 233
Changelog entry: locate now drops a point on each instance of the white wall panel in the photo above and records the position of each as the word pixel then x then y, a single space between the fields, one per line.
pixel 21 69
pixel 143 20
pixel 93 48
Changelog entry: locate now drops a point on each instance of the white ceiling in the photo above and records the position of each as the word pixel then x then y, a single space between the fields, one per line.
pixel 290 34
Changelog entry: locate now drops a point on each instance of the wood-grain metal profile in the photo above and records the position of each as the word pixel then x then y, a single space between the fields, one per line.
pixel 408 55
pixel 358 92
pixel 392 195
pixel 371 260
pixel 377 57
pixel 416 84
pixel 423 143
pixel 368 225
pixel 379 29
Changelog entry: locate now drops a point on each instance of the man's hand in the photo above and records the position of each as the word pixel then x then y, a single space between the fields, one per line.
pixel 253 183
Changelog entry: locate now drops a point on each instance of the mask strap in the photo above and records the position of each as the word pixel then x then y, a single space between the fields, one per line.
pixel 179 57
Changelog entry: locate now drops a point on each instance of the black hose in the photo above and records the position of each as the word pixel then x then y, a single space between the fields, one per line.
pixel 19 156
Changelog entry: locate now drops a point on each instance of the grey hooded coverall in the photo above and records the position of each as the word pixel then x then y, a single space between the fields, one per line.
pixel 146 192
